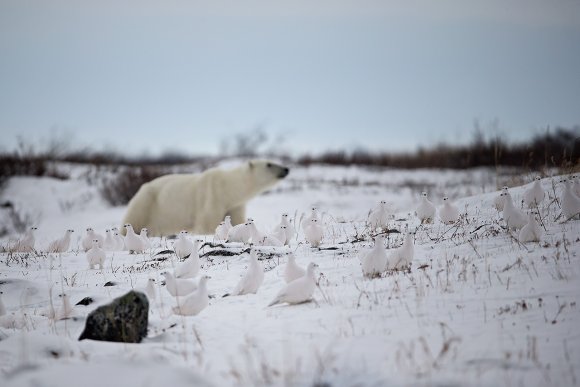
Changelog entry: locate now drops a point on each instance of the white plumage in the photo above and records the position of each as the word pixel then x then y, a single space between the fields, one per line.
pixel 109 244
pixel 426 210
pixel 576 184
pixel 96 256
pixel 290 232
pixel 239 233
pixel 183 247
pixel 133 242
pixel 379 217
pixel 145 239
pixel 535 194
pixel 275 239
pixel 119 240
pixel 177 286
pixel 570 202
pixel 448 213
pixel 375 260
pixel 252 279
pixel 65 310
pixel 498 201
pixel 190 267
pixel 61 245
pixel 514 218
pixel 150 289
pixel 2 307
pixel 90 236
pixel 26 243
pixel 292 271
pixel 221 231
pixel 255 235
pixel 402 257
pixel 531 232
pixel 195 302
pixel 298 291
pixel 313 215
pixel 314 233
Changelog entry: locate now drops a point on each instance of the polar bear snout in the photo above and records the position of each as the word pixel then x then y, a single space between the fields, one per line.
pixel 283 172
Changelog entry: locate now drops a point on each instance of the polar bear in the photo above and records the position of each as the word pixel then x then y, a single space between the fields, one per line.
pixel 199 202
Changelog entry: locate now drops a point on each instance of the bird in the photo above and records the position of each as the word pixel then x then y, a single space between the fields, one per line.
pixel 96 256
pixel 255 235
pixel 289 231
pixel 375 260
pixel 150 289
pixel 426 210
pixel 189 268
pixel 195 302
pixel 145 239
pixel 91 235
pixel 252 279
pixel 535 194
pixel 133 242
pixel 292 271
pixel 570 202
pixel 379 217
pixel 402 256
pixel 313 215
pixel 276 238
pixel 65 310
pixel 2 307
pixel 177 286
pixel 576 185
pixel 119 239
pixel 515 219
pixel 448 213
pixel 221 231
pixel 109 244
pixel 183 247
pixel 61 245
pixel 531 232
pixel 298 291
pixel 239 233
pixel 498 201
pixel 314 233
pixel 26 243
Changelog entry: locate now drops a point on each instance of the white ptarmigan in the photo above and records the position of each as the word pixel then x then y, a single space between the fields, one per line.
pixel 576 184
pixel 275 239
pixel 239 233
pixel 426 210
pixel 65 310
pixel 448 213
pixel 292 271
pixel 314 233
pixel 150 289
pixel 313 215
pixel 177 286
pixel 298 291
pixel 221 231
pixel 91 235
pixel 61 245
pixel 498 201
pixel 374 261
pixel 255 234
pixel 133 242
pixel 195 302
pixel 514 218
pixel 531 232
pixel 252 279
pixel 570 202
pixel 26 243
pixel 2 307
pixel 190 267
pixel 289 231
pixel 96 256
pixel 535 194
pixel 379 217
pixel 119 239
pixel 145 239
pixel 402 257
pixel 109 243
pixel 183 247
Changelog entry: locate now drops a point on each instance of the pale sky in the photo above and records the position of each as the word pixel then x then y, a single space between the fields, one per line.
pixel 384 75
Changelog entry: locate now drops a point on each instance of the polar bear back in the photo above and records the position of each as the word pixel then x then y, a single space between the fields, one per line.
pixel 198 202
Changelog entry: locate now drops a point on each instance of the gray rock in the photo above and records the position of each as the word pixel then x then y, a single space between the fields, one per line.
pixel 124 320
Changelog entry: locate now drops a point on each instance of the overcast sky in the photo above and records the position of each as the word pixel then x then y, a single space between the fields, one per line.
pixel 183 75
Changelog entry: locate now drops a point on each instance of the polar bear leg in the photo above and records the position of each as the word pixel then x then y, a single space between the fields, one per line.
pixel 238 214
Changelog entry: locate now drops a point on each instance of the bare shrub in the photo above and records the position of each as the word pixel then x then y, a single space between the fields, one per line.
pixel 119 189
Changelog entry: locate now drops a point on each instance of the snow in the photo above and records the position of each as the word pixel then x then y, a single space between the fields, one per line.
pixel 477 307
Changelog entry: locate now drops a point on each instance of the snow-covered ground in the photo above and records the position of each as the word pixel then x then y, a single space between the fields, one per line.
pixel 477 307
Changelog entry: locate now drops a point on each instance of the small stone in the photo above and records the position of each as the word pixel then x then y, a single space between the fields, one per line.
pixel 123 320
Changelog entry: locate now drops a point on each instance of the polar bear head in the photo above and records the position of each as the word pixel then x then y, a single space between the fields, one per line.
pixel 265 173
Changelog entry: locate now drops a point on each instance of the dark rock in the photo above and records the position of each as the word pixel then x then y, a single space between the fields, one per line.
pixel 85 301
pixel 110 283
pixel 124 320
